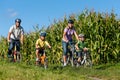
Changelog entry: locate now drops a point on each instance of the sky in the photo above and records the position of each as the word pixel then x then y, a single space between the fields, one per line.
pixel 43 12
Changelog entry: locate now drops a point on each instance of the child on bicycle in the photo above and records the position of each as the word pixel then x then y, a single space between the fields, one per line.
pixel 41 43
pixel 81 46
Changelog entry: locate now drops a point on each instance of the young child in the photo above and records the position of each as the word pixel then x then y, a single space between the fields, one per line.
pixel 81 46
pixel 41 43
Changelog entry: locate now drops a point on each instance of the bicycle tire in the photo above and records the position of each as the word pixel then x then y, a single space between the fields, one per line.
pixel 19 57
pixel 88 63
pixel 46 63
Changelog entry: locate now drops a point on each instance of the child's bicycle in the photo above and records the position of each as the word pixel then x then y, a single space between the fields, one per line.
pixel 86 59
pixel 42 61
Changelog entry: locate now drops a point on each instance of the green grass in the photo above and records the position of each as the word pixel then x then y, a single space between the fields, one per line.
pixel 22 71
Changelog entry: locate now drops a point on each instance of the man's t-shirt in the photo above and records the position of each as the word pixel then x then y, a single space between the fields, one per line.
pixel 16 32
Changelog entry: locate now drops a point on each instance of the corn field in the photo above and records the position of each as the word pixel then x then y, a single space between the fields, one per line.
pixel 102 31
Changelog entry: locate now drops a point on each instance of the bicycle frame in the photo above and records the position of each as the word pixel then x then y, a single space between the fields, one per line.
pixel 72 49
pixel 43 60
pixel 86 61
pixel 84 58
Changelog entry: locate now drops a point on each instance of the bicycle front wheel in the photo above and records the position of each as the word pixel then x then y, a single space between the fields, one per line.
pixel 88 63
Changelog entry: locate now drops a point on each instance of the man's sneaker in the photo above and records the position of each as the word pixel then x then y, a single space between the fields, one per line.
pixel 9 56
pixel 78 64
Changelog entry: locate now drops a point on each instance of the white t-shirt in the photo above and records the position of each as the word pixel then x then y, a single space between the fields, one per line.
pixel 16 32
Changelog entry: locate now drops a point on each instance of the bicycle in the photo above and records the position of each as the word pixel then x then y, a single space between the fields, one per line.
pixel 73 53
pixel 43 61
pixel 15 56
pixel 86 59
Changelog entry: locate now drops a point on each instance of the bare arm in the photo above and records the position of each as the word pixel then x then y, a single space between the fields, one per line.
pixel 64 37
pixel 49 45
pixel 22 39
pixel 76 46
pixel 76 35
pixel 8 37
pixel 37 46
pixel 22 36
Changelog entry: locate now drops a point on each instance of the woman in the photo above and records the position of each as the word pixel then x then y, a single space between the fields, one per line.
pixel 69 31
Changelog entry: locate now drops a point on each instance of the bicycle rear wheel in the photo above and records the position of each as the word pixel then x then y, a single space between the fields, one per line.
pixel 46 63
pixel 18 57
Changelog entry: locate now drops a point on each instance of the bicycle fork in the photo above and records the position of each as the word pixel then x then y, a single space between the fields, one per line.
pixel 84 59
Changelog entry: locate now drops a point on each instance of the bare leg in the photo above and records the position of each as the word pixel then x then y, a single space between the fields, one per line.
pixel 37 54
pixel 79 59
pixel 64 58
pixel 37 57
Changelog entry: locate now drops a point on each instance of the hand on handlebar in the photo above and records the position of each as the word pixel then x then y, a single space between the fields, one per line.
pixel 85 49
pixel 77 48
pixel 9 41
pixel 49 47
pixel 22 42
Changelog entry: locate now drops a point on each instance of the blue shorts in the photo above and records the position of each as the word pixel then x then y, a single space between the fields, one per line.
pixel 65 48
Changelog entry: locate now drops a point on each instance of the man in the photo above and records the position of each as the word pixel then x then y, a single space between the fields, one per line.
pixel 15 36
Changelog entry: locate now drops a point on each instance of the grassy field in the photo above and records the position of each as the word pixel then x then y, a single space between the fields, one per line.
pixel 22 71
